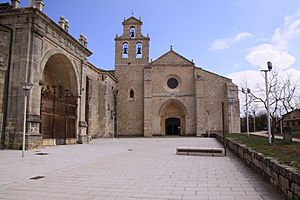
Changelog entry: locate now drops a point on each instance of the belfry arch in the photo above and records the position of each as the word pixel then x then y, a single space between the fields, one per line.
pixel 173 118
pixel 59 101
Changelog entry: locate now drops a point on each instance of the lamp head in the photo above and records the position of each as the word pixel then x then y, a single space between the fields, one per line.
pixel 269 65
pixel 26 86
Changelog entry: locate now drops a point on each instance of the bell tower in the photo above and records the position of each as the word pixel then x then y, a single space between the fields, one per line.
pixel 131 56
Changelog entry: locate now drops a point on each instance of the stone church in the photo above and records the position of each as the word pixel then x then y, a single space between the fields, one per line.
pixel 71 101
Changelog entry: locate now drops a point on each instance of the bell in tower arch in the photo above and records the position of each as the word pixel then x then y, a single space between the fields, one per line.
pixel 139 50
pixel 125 50
pixel 132 32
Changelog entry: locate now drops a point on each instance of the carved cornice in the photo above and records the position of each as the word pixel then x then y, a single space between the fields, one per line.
pixel 43 26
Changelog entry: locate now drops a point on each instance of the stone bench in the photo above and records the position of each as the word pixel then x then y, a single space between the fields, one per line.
pixel 200 151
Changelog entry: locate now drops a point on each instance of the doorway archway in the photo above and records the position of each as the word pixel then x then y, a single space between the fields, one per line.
pixel 172 114
pixel 172 126
pixel 59 101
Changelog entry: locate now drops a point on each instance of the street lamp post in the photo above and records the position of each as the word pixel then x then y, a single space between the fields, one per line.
pixel 246 92
pixel 269 64
pixel 26 87
pixel 254 125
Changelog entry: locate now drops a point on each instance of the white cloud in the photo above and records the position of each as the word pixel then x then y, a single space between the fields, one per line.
pixel 250 76
pixel 242 36
pixel 260 55
pixel 220 44
pixel 226 43
pixel 277 50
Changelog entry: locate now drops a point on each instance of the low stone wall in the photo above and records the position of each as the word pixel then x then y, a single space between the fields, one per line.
pixel 284 178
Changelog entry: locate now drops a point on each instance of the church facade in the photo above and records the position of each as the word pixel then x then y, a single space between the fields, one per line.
pixel 72 101
pixel 170 95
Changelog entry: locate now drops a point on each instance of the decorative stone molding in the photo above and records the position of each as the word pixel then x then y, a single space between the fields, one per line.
pixel 39 4
pixel 83 124
pixel 83 40
pixel 15 3
pixel 63 23
pixel 33 118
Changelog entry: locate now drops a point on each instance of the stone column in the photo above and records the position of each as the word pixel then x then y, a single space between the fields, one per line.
pixel 82 136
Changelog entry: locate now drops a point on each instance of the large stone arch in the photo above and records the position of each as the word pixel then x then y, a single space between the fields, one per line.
pixel 170 111
pixel 50 53
pixel 59 95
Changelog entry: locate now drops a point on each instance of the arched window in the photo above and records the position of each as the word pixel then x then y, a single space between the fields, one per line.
pixel 132 32
pixel 131 94
pixel 125 50
pixel 139 50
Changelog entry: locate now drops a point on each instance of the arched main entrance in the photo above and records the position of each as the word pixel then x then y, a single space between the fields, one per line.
pixel 58 101
pixel 172 115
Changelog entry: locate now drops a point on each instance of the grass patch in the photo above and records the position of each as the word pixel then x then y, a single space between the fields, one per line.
pixel 287 154
pixel 296 134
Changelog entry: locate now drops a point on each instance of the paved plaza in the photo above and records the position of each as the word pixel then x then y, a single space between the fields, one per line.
pixel 128 168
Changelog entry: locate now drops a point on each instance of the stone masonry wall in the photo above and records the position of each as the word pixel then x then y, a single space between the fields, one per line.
pixel 110 119
pixel 35 39
pixel 210 93
pixel 157 93
pixel 284 178
pixel 101 102
pixel 5 38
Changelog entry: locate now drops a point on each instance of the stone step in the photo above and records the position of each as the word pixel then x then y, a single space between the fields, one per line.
pixel 200 151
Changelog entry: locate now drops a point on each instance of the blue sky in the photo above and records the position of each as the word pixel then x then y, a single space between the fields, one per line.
pixel 234 38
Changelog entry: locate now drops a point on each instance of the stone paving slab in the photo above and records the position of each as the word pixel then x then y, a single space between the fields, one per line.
pixel 129 168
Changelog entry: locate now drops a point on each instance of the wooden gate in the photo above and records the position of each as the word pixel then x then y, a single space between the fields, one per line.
pixel 58 114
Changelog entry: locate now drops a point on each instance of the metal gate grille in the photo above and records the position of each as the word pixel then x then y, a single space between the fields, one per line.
pixel 58 114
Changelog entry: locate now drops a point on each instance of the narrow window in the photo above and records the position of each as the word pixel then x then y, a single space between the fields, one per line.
pixel 132 32
pixel 138 48
pixel 287 124
pixel 131 94
pixel 125 50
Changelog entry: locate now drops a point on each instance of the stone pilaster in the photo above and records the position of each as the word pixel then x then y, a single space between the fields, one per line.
pixel 33 135
pixel 82 136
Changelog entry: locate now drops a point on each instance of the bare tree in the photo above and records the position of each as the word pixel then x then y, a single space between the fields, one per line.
pixel 282 96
